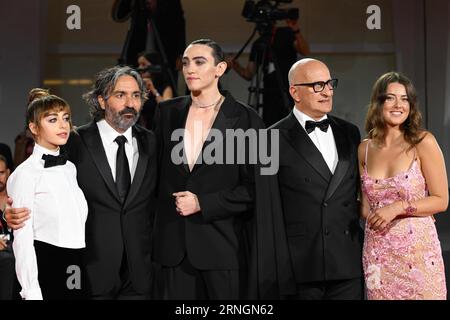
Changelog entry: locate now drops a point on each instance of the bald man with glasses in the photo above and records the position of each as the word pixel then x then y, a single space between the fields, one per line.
pixel 318 180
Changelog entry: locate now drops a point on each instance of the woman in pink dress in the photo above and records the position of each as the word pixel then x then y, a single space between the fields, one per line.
pixel 404 183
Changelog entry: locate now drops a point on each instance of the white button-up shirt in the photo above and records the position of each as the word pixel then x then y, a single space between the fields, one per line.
pixel 108 135
pixel 58 213
pixel 324 141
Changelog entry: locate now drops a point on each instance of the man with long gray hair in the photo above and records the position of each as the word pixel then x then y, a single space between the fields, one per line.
pixel 116 165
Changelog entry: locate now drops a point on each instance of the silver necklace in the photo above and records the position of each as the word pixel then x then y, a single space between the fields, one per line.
pixel 205 106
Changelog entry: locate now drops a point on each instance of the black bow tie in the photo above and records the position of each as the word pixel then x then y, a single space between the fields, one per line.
pixel 51 161
pixel 322 125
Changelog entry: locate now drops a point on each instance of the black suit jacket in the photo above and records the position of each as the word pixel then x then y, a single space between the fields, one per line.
pixel 321 209
pixel 239 227
pixel 113 229
pixel 213 238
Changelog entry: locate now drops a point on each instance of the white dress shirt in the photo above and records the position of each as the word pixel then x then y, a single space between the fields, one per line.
pixel 58 213
pixel 108 135
pixel 324 141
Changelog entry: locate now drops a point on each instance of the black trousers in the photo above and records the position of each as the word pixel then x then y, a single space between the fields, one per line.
pixel 59 271
pixel 185 282
pixel 7 274
pixel 348 289
pixel 123 288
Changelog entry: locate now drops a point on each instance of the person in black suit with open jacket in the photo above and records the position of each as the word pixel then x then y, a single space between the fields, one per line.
pixel 118 182
pixel 202 237
pixel 318 181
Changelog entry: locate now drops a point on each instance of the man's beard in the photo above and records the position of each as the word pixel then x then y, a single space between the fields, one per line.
pixel 119 121
pixel 2 186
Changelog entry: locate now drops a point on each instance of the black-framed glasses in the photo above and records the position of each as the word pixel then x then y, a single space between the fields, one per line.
pixel 320 85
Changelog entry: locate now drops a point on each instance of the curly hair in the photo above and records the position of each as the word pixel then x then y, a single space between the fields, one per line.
pixel 105 82
pixel 375 124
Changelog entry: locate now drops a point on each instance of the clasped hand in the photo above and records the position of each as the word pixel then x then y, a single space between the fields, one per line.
pixel 186 203
pixel 379 218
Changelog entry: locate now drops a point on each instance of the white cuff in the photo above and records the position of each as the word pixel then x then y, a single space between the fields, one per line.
pixel 32 294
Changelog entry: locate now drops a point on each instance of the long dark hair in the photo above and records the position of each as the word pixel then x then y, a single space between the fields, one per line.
pixel 375 125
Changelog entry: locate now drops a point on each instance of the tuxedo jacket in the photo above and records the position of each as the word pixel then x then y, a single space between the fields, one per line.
pixel 112 228
pixel 213 238
pixel 321 210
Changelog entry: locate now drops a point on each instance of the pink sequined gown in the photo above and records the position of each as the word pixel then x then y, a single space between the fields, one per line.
pixel 403 261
